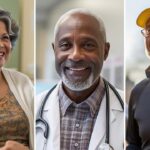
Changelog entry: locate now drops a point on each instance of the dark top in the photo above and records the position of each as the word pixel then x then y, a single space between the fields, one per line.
pixel 138 127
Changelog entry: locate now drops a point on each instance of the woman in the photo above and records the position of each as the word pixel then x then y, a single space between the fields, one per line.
pixel 16 94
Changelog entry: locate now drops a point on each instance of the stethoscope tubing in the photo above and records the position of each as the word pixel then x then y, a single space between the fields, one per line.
pixel 40 113
pixel 106 84
pixel 107 111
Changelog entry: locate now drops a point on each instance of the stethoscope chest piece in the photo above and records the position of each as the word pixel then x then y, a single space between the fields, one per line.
pixel 105 146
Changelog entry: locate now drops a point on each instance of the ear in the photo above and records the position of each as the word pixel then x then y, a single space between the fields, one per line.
pixel 106 50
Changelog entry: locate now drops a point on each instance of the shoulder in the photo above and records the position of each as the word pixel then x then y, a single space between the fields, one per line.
pixel 39 99
pixel 137 91
pixel 116 99
pixel 16 74
pixel 139 88
pixel 51 95
pixel 41 96
pixel 121 93
pixel 17 77
pixel 141 85
pixel 115 92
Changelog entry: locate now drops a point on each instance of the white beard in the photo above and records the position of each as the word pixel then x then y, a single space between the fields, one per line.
pixel 78 86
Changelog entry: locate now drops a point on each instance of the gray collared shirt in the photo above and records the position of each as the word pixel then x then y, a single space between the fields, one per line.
pixel 77 120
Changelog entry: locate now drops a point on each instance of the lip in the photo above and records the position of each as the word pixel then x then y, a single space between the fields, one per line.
pixel 76 69
pixel 2 53
pixel 77 73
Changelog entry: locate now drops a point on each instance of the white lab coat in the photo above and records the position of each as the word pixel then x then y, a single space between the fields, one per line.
pixel 51 114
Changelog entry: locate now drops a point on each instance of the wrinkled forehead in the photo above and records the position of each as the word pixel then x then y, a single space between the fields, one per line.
pixel 78 22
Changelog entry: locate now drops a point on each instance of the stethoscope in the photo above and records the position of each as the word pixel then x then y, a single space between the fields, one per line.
pixel 105 145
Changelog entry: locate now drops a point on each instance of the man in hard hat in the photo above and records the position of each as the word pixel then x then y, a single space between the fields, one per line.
pixel 138 127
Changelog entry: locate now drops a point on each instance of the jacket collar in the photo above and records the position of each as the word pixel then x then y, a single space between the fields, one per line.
pixel 53 95
pixel 99 131
pixel 114 105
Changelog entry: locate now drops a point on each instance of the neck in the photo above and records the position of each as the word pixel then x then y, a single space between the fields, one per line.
pixel 80 96
pixel 1 76
pixel 2 79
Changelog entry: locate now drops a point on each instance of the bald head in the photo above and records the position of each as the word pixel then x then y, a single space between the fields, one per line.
pixel 83 13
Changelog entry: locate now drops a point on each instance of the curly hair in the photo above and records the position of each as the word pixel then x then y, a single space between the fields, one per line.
pixel 11 25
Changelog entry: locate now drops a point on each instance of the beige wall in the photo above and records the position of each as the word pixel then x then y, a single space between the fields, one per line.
pixel 22 58
pixel 27 41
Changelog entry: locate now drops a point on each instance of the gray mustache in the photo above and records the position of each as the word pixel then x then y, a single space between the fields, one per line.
pixel 75 64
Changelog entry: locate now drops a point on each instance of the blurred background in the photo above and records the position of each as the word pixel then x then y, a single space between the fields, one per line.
pixel 47 14
pixel 136 60
pixel 22 58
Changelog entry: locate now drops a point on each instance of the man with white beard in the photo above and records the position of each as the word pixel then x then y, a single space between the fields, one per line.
pixel 82 112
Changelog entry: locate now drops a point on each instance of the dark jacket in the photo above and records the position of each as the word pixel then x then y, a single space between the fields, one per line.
pixel 138 127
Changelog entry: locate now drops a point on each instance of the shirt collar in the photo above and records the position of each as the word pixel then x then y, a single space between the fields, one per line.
pixel 93 101
pixel 64 100
pixel 147 71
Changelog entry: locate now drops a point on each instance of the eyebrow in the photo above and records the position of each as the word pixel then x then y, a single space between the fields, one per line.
pixel 89 39
pixel 64 39
pixel 84 37
pixel 5 34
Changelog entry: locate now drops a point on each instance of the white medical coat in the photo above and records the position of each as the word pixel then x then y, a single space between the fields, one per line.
pixel 51 114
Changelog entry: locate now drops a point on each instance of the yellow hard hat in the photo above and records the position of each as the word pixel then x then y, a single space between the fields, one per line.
pixel 143 17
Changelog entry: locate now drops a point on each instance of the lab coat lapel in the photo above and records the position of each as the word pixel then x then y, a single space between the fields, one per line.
pixel 99 131
pixel 99 127
pixel 52 115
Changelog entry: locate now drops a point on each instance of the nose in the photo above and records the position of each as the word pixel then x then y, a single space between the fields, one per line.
pixel 1 44
pixel 76 53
